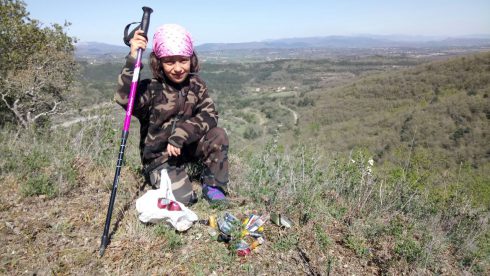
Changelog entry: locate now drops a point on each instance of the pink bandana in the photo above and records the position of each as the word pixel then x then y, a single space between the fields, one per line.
pixel 172 40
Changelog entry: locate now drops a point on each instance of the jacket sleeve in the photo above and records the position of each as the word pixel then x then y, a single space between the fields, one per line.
pixel 194 128
pixel 142 98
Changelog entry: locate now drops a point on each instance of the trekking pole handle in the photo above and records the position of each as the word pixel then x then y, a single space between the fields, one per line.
pixel 143 25
pixel 145 20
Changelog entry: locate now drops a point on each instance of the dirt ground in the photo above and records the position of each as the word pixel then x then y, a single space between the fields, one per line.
pixel 61 236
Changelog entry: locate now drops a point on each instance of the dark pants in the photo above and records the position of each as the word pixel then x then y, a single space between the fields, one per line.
pixel 211 150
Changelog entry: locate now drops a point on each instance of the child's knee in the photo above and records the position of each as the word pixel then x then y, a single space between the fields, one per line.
pixel 218 135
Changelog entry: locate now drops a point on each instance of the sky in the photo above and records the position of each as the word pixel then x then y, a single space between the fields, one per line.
pixel 232 21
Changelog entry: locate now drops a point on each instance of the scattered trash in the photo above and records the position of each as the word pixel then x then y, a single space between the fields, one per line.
pixel 281 220
pixel 242 235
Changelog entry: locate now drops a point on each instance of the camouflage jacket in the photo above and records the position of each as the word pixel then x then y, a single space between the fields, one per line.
pixel 164 117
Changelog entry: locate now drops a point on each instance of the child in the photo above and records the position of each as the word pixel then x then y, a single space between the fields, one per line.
pixel 177 117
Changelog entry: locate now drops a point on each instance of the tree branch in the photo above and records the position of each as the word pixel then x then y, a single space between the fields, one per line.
pixel 52 111
pixel 15 110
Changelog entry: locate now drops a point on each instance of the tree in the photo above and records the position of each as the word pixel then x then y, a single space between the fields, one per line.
pixel 37 65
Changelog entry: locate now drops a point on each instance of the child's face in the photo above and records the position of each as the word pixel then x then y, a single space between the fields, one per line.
pixel 176 68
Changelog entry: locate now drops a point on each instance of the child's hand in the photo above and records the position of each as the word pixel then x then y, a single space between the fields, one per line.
pixel 172 150
pixel 138 41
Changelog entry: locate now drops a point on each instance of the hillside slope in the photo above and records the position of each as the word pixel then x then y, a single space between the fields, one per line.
pixel 443 107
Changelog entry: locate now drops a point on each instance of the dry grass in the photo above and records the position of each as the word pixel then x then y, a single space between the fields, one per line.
pixel 61 235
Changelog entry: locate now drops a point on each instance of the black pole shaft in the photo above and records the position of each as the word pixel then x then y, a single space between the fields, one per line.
pixel 105 236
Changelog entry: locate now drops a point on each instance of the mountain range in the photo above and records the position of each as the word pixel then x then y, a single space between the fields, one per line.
pixel 97 49
pixel 352 42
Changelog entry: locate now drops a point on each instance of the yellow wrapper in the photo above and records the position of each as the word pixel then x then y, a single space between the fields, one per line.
pixel 212 222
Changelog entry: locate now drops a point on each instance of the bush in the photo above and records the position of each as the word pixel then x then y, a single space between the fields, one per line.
pixel 252 132
pixel 39 185
pixel 376 201
pixel 409 249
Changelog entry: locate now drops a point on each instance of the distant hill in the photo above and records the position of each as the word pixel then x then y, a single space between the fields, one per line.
pixel 102 52
pixel 440 107
pixel 92 49
pixel 352 42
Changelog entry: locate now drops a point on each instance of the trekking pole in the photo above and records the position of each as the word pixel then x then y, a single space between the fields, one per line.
pixel 145 22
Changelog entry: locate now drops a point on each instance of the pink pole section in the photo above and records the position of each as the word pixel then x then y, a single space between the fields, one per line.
pixel 132 93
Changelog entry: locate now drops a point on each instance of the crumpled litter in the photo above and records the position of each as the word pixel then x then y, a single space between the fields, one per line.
pixel 160 205
pixel 281 220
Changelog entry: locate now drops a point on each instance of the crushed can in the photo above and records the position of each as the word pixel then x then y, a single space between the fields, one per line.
pixel 226 223
pixel 243 249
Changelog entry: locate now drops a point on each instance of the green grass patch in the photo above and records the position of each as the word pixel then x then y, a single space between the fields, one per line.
pixel 39 185
pixel 172 238
pixel 286 242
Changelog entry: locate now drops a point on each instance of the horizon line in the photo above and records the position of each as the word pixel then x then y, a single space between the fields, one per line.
pixel 432 37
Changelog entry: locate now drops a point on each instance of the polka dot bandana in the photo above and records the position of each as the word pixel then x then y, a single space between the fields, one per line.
pixel 172 40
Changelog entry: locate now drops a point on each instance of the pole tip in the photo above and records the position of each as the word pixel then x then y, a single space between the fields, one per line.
pixel 101 251
pixel 103 245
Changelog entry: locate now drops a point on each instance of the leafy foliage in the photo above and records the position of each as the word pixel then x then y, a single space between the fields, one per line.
pixel 36 66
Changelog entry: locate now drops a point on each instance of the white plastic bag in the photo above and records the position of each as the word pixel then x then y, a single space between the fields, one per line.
pixel 150 209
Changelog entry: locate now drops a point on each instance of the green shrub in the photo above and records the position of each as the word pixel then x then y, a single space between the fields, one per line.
pixel 324 241
pixel 409 249
pixel 35 161
pixel 286 242
pixel 252 132
pixel 39 185
pixel 357 244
